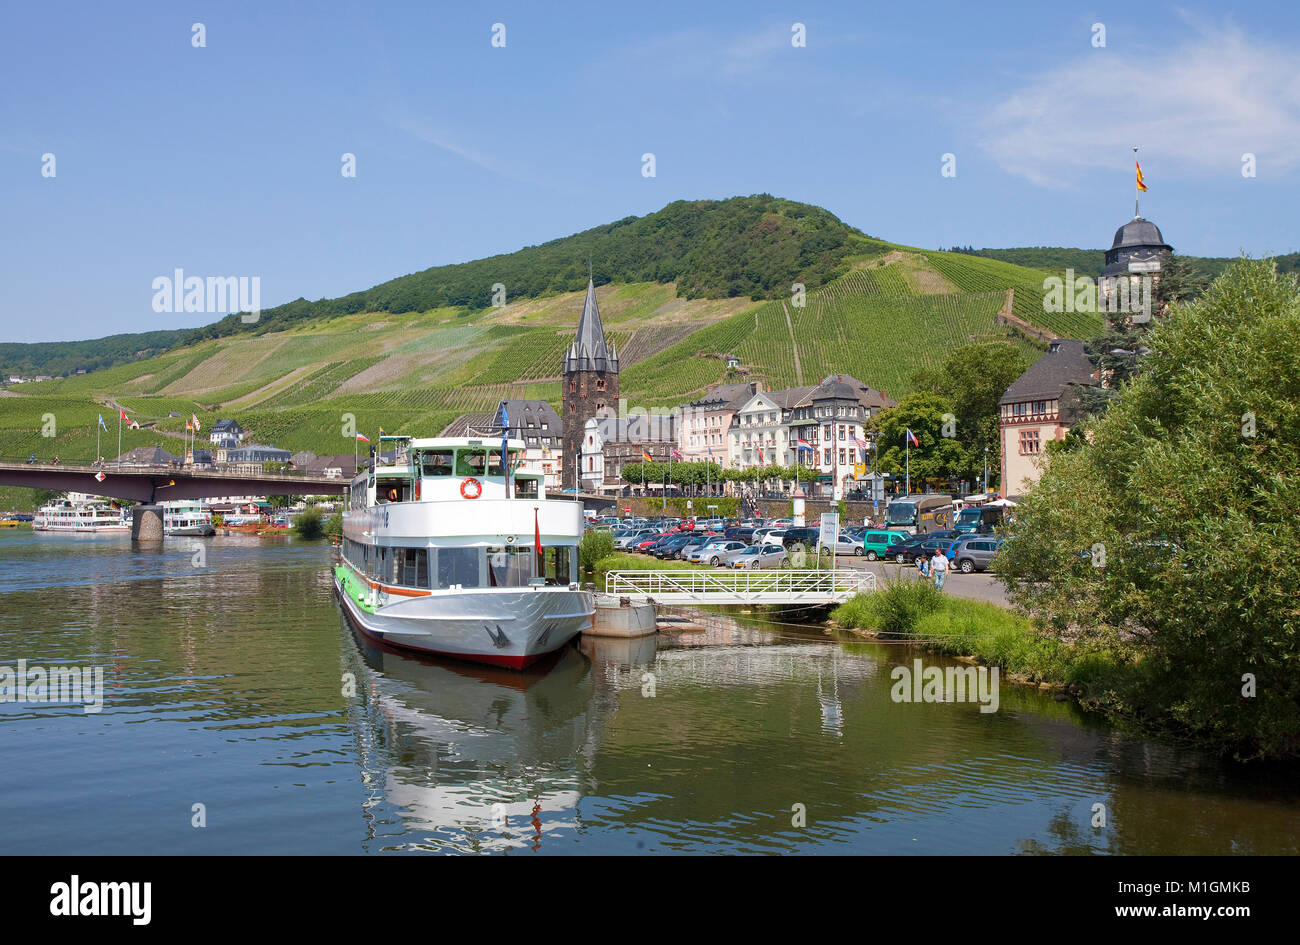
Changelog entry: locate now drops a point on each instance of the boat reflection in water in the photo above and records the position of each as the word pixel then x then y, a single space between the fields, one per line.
pixel 460 757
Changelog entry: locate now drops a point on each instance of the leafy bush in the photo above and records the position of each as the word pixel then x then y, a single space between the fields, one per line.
pixel 308 525
pixel 334 526
pixel 895 610
pixel 594 546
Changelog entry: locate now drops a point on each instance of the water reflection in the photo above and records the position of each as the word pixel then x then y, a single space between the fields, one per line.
pixel 466 755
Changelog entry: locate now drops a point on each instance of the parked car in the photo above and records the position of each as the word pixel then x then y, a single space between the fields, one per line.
pixel 878 544
pixel 713 552
pixel 633 538
pixel 667 546
pixel 973 552
pixel 919 545
pixel 806 536
pixel 698 540
pixel 645 543
pixel 846 544
pixel 757 557
pixel 739 534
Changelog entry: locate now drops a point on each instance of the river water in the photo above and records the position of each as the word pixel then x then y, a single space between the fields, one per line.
pixel 228 725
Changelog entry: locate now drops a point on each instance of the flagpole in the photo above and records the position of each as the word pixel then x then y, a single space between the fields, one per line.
pixel 119 434
pixel 1136 192
pixel 907 454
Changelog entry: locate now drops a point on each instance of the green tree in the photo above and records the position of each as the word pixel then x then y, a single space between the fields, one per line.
pixel 1168 534
pixel 308 524
pixel 936 456
pixel 1118 351
pixel 973 379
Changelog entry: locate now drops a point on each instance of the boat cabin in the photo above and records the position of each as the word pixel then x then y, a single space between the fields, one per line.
pixel 446 468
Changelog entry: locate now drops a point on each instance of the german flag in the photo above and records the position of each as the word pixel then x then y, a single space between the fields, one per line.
pixel 645 456
pixel 1141 186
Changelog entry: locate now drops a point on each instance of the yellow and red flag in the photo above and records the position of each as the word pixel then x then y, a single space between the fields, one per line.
pixel 1141 186
pixel 645 455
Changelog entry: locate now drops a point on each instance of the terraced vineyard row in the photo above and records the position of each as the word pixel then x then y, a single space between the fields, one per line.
pixel 978 274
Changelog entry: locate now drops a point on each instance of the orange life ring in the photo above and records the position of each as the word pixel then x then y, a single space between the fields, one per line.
pixel 471 488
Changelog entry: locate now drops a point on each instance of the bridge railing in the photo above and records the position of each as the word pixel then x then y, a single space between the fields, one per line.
pixel 703 583
pixel 110 466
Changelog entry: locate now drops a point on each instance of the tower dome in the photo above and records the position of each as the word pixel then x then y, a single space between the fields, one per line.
pixel 1137 241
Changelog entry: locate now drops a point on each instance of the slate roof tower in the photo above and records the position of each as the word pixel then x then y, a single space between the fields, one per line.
pixel 589 382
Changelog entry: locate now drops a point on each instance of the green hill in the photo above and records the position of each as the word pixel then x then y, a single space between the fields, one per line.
pixel 873 309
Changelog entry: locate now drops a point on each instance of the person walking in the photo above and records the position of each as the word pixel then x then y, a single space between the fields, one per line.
pixel 939 568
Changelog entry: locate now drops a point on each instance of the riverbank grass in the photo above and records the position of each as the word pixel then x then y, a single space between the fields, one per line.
pixel 994 635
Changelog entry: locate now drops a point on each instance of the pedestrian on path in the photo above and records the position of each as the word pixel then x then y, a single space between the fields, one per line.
pixel 939 568
pixel 923 565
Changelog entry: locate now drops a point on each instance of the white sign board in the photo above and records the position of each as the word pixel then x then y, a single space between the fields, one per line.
pixel 1152 266
pixel 830 531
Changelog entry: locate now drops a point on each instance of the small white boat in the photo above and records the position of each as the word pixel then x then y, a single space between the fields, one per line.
pixel 187 517
pixel 444 553
pixel 79 512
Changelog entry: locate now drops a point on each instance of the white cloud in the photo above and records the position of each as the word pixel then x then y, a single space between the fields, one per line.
pixel 1195 109
pixel 424 132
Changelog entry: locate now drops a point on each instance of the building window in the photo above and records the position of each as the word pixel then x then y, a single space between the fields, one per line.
pixel 842 458
pixel 600 383
pixel 1028 442
pixel 826 457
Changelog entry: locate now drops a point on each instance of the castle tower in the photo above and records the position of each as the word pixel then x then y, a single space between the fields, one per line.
pixel 589 383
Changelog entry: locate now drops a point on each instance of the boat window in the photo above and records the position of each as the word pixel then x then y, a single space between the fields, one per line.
pixel 525 488
pixel 437 463
pixel 478 463
pixel 413 567
pixel 392 490
pixel 560 561
pixel 457 566
pixel 510 567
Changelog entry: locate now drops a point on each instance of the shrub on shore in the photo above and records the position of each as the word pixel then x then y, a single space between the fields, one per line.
pixel 595 544
pixel 308 525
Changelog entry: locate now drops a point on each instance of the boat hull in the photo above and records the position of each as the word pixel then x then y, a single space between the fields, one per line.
pixel 81 529
pixel 196 531
pixel 507 627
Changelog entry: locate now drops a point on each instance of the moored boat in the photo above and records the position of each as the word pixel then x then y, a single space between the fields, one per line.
pixel 187 517
pixel 446 552
pixel 78 512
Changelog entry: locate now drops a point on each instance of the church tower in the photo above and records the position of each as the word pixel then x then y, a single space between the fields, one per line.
pixel 589 383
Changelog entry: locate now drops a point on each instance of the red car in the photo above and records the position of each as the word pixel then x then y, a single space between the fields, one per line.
pixel 646 543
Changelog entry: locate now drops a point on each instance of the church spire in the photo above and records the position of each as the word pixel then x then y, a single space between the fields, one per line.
pixel 590 351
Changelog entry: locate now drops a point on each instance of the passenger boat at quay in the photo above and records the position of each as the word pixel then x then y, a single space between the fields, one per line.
pixel 78 512
pixel 450 551
pixel 186 517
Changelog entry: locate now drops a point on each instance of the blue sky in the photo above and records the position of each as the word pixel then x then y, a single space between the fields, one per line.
pixel 225 160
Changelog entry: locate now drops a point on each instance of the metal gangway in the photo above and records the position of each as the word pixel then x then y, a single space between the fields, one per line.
pixel 828 586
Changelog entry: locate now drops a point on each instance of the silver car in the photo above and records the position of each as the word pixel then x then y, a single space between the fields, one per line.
pixel 714 552
pixel 756 557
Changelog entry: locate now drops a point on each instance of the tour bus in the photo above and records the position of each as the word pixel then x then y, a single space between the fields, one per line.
pixel 920 514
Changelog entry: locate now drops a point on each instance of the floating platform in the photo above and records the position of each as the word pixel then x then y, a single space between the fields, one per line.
pixel 621 617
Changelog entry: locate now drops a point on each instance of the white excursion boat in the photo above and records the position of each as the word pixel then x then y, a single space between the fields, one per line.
pixel 187 517
pixel 445 553
pixel 79 512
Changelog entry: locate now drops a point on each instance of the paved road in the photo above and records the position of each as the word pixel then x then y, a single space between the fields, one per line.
pixel 980 586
